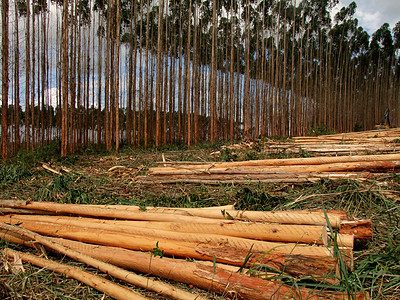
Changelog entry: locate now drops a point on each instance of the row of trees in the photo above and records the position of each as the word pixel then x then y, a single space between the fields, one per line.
pixel 167 71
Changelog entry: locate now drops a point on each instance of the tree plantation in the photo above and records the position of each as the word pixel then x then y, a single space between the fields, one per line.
pixel 144 73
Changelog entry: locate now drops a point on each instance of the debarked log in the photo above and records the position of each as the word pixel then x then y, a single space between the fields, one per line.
pixel 206 276
pixel 289 233
pixel 147 283
pixel 279 256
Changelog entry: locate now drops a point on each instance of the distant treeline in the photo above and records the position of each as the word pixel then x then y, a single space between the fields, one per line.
pixel 171 71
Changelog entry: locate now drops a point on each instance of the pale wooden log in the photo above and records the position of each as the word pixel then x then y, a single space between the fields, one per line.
pixel 217 179
pixel 288 162
pixel 87 210
pixel 342 240
pixel 395 132
pixel 303 234
pixel 284 217
pixel 295 260
pixel 103 285
pixel 173 210
pixel 357 166
pixel 12 237
pixel 12 203
pixel 204 210
pixel 58 229
pixel 147 283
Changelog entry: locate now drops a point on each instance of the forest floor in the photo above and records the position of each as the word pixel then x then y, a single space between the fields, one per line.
pixel 100 177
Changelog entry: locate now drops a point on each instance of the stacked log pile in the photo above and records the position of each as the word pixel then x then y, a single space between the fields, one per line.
pixel 353 143
pixel 212 248
pixel 372 136
pixel 275 170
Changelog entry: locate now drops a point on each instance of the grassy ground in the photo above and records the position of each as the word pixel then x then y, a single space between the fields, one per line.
pixel 99 177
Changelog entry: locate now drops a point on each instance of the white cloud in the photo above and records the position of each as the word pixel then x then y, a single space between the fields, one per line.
pixel 372 14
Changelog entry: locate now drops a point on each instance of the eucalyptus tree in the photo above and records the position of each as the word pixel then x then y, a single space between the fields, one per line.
pixel 146 87
pixel 213 76
pixel 159 77
pixel 131 104
pixel 4 87
pixel 26 8
pixel 64 70
pixel 233 20
pixel 381 51
pixel 17 137
pixel 396 67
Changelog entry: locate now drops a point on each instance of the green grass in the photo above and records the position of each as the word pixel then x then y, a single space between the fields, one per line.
pixel 65 189
pixel 12 173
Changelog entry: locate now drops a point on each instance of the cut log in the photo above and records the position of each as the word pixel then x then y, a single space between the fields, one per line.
pixel 217 179
pixel 88 210
pixel 281 162
pixel 103 285
pixel 351 165
pixel 189 272
pixel 361 229
pixel 303 234
pixel 279 256
pixel 106 230
pixel 283 217
pixel 147 283
pixel 199 274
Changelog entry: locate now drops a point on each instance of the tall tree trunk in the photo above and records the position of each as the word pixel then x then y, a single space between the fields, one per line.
pixel 180 76
pixel 292 79
pixel 43 78
pixel 33 96
pixel 188 86
pixel 99 65
pixel 146 86
pixel 231 86
pixel 17 137
pixel 129 118
pixel 165 58
pixel 118 26
pixel 4 88
pixel 107 79
pixel 213 88
pixel 73 53
pixel 140 111
pixel 64 70
pixel 79 89
pixel 196 78
pixel 134 127
pixel 159 76
pixel 27 75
